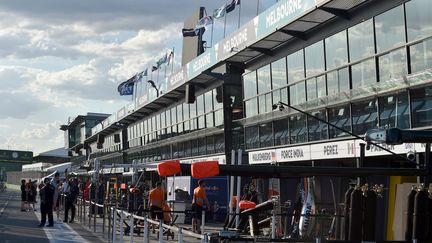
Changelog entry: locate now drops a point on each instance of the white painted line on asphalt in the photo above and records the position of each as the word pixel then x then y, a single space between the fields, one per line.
pixel 5 205
pixel 61 232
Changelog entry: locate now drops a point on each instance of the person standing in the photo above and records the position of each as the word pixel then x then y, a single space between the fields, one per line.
pixel 47 200
pixel 156 201
pixel 71 197
pixel 31 195
pixel 198 201
pixel 23 196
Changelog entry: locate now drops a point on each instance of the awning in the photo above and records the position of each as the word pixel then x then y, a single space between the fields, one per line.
pixel 61 168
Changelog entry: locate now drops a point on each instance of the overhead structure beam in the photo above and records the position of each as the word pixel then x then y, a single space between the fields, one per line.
pixel 264 51
pixel 199 85
pixel 338 12
pixel 297 34
pixel 171 99
pixel 213 74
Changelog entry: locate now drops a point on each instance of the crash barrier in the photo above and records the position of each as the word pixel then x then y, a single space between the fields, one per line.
pixel 118 223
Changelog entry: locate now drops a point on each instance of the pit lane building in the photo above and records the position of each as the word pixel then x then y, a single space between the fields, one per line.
pixel 358 64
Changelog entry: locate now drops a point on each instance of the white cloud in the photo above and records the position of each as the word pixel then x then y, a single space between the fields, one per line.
pixel 41 131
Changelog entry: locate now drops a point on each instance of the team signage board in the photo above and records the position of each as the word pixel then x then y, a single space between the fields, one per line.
pixel 237 41
pixel 219 158
pixel 262 156
pixel 121 113
pixel 143 100
pixel 16 156
pixel 333 150
pixel 291 154
pixel 177 79
pixel 202 63
pixel 281 14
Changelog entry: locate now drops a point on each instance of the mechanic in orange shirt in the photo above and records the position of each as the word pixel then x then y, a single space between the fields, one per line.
pixel 198 201
pixel 157 200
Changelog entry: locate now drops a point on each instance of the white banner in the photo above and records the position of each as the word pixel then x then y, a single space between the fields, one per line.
pixel 291 154
pixel 262 157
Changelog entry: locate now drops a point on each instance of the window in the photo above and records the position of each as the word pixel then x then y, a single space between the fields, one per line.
pixel 363 74
pixel 317 129
pixel 394 111
pixel 421 56
pixel 219 143
pixel 210 145
pixel 218 118
pixel 390 29
pixel 336 50
pixel 281 135
pixel 295 67
pixel 251 137
pixel 180 113
pixel 340 117
pixel 316 88
pixel 200 104
pixel 265 103
pixel 364 116
pixel 264 79
pixel 202 147
pixel 278 73
pixel 208 100
pixel 314 59
pixel 421 106
pixel 338 81
pixel 297 128
pixel 419 19
pixel 361 40
pixel 209 120
pixel 297 93
pixel 186 112
pixel 266 135
pixel 392 65
pixel 249 84
pixel 251 107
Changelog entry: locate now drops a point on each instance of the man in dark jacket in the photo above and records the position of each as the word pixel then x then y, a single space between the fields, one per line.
pixel 47 199
pixel 71 196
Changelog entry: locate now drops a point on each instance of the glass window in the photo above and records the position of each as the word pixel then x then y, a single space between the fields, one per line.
pixel 314 59
pixel 187 149
pixel 364 116
pixel 252 137
pixel 219 143
pixel 336 50
pixel 297 93
pixel 168 118
pixel 278 69
pixel 201 122
pixel 174 115
pixel 192 110
pixel 265 103
pixel 249 84
pixel 218 118
pixel 180 128
pixel 337 81
pixel 264 79
pixel 392 65
pixel 180 149
pixel 186 112
pixel 281 135
pixel 200 105
pixel 340 117
pixel 297 128
pixel 421 56
pixel 210 145
pixel 419 18
pixel 209 120
pixel 179 113
pixel 394 111
pixel 216 104
pixel 295 67
pixel 186 126
pixel 251 107
pixel 363 73
pixel 421 106
pixel 193 124
pixel 266 135
pixel 361 40
pixel 390 29
pixel 163 120
pixel 317 129
pixel 194 147
pixel 316 88
pixel 202 147
pixel 208 101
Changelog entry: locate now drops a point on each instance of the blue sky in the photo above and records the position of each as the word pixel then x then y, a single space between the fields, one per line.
pixel 62 58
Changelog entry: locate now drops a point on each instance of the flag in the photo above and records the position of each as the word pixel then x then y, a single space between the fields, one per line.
pixel 192 32
pixel 127 87
pixel 161 61
pixel 220 12
pixel 230 7
pixel 154 68
pixel 170 57
pixel 204 21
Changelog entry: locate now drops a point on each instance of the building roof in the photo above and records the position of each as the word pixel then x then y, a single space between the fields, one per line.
pixel 59 153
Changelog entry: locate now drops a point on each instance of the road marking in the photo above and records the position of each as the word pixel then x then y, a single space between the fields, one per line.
pixel 61 232
pixel 5 205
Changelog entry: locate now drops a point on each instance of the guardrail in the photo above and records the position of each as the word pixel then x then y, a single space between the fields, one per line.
pixel 117 223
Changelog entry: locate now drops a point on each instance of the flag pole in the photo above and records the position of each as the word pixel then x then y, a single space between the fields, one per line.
pixel 211 37
pixel 258 6
pixel 172 63
pixel 238 26
pixel 225 21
